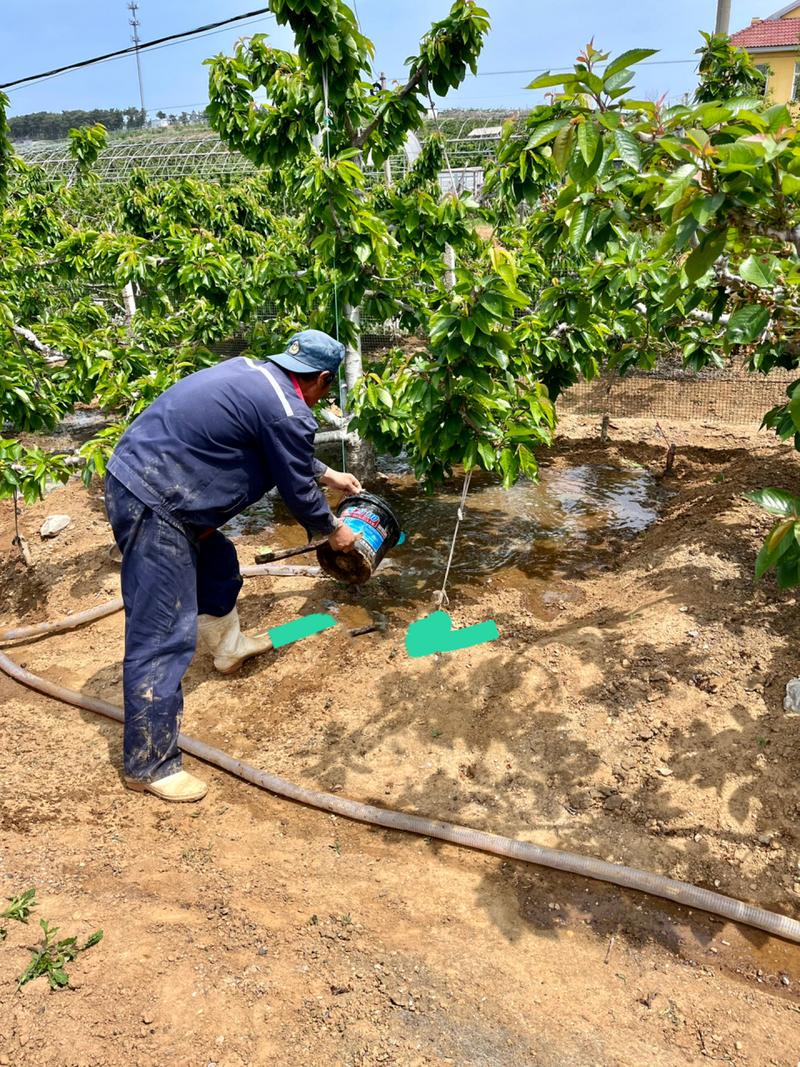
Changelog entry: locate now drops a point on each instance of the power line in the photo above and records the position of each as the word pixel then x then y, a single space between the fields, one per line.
pixel 158 47
pixel 158 41
pixel 557 70
pixel 565 70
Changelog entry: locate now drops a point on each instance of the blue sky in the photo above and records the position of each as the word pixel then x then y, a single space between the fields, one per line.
pixel 36 35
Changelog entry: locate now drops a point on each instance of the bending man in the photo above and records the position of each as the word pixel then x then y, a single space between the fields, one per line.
pixel 207 448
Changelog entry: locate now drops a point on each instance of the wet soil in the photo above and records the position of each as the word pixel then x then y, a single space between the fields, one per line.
pixel 631 709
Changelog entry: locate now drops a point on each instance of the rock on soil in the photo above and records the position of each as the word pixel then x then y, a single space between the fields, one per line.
pixel 53 525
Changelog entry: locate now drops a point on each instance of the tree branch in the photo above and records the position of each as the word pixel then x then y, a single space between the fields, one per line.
pixel 363 136
pixel 707 317
pixel 50 355
pixel 368 293
pixel 790 236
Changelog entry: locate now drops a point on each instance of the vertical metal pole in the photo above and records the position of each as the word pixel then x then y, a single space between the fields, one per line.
pixel 133 7
pixel 723 17
pixel 387 165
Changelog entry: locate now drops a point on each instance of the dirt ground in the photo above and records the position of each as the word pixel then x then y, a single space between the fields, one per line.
pixel 633 712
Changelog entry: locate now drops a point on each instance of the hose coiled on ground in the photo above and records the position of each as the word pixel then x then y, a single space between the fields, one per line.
pixel 690 896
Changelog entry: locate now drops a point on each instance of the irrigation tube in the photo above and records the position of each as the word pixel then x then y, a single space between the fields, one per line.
pixel 655 884
pixel 71 622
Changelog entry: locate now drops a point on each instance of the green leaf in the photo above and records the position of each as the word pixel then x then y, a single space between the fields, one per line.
pixel 487 454
pixel 628 148
pixel 470 455
pixel 787 570
pixel 677 191
pixel 562 147
pixel 706 254
pixel 776 501
pixel 588 140
pixel 627 59
pixel 794 410
pixel 790 184
pixel 494 304
pixel 747 324
pixel 546 132
pixel 467 327
pixel 780 538
pixel 618 83
pixel 92 940
pixel 544 81
pixel 760 270
pixel 578 227
pixel 740 155
pixel 705 207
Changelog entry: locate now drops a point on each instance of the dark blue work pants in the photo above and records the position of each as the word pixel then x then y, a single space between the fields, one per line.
pixel 168 578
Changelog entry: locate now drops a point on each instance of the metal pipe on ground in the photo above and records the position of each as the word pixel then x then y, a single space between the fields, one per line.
pixel 657 885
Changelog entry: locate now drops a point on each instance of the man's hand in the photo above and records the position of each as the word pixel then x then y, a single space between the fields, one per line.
pixel 347 483
pixel 343 538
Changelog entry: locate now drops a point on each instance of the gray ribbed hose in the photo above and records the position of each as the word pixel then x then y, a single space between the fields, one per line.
pixel 655 884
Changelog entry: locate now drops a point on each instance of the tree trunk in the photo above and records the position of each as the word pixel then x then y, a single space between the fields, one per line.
pixel 353 368
pixel 449 267
pixel 360 455
pixel 129 300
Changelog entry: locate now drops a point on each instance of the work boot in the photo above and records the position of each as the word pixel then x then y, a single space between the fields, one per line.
pixel 223 638
pixel 180 787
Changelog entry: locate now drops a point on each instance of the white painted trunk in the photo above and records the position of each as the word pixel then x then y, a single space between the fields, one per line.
pixel 449 267
pixel 129 300
pixel 353 368
pixel 360 454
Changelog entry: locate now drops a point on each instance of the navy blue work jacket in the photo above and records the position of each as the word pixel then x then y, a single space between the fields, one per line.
pixel 217 441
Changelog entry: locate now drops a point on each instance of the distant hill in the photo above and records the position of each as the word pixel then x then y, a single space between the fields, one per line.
pixel 55 126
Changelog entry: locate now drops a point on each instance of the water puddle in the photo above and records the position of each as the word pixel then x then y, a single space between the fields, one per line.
pixel 565 525
pixel 558 522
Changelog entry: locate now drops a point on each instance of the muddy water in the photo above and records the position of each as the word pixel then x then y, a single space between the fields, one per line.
pixel 564 525
pixel 558 523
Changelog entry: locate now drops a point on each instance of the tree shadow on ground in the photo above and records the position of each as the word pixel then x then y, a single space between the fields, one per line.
pixel 510 742
pixel 684 844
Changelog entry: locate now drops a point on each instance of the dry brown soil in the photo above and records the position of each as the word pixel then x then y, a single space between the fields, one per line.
pixel 634 714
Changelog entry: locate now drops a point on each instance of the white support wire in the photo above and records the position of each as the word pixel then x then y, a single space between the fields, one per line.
pixel 440 596
pixel 327 116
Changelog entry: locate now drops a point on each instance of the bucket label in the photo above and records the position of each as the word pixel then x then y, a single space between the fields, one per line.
pixel 365 516
pixel 372 535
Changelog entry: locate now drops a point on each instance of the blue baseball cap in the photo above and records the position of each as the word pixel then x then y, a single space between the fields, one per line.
pixel 310 350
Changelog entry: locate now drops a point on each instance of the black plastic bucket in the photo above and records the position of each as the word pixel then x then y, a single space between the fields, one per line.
pixel 370 516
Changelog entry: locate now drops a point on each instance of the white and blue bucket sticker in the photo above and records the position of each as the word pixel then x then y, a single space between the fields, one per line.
pixel 367 525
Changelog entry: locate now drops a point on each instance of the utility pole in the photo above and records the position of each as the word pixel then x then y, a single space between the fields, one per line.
pixel 723 17
pixel 133 7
